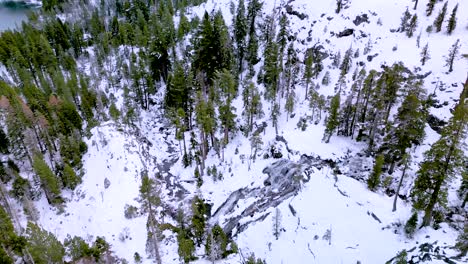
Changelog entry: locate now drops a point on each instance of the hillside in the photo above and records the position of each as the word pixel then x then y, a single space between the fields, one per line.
pixel 155 127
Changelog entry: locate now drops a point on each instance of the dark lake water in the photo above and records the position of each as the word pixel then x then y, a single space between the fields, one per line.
pixel 10 16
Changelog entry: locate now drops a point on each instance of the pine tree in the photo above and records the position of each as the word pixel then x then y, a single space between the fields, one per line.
pixel 252 104
pixel 198 219
pixel 452 22
pixel 49 181
pixel 240 33
pixel 69 177
pixel 442 162
pixel 186 245
pixel 462 242
pixel 430 7
pixel 374 179
pixel 44 246
pixel 326 78
pixel 332 121
pixel 425 54
pixel 411 225
pixel 289 106
pixel 440 18
pixel 271 70
pixel 275 113
pixel 405 21
pixel 253 9
pixel 412 26
pixel 337 59
pixel 408 127
pixel 277 223
pixel 255 145
pixel 307 77
pixel 216 244
pixel 347 61
pixel 226 87
pixel 453 52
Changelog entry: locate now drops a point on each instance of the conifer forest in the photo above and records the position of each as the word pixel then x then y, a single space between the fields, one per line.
pixel 234 131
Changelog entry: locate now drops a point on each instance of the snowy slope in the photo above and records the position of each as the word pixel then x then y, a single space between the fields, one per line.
pixel 356 235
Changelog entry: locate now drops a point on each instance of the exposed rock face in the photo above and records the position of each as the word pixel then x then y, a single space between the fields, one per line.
pixel 435 123
pixel 345 33
pixel 290 11
pixel 284 180
pixel 361 19
pixel 371 57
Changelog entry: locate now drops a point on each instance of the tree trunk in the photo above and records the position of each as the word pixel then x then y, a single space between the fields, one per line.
pixel 399 187
pixel 430 207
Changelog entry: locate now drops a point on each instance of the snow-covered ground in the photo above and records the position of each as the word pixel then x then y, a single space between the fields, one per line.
pixel 356 235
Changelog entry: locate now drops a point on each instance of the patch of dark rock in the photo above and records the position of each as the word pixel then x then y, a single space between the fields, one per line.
pixel 361 19
pixel 292 12
pixel 345 33
pixel 275 152
pixel 371 57
pixel 435 123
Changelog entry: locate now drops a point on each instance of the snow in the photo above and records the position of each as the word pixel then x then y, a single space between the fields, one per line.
pixel 356 235
pixel 96 211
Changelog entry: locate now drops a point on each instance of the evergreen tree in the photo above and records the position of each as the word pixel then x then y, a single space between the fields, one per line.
pixel 326 78
pixel 452 22
pixel 186 248
pixel 69 177
pixel 226 86
pixel 149 194
pixel 404 24
pixel 307 77
pixel 271 70
pixel 462 242
pixel 240 33
pixel 253 9
pixel 252 105
pixel 200 211
pixel 430 7
pixel 440 18
pixel 374 179
pixel 411 225
pixel 425 54
pixel 289 106
pixel 277 223
pixel 453 52
pixel 216 244
pixel 49 181
pixel 408 128
pixel 332 121
pixel 412 26
pixel 275 113
pixel 44 246
pixel 442 162
pixel 347 62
